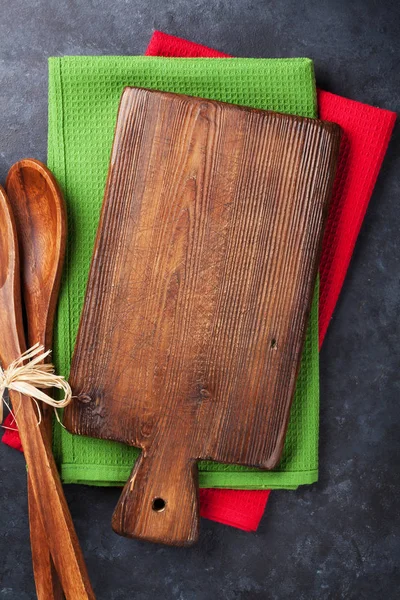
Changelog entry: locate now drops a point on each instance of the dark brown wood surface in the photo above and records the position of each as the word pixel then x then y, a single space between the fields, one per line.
pixel 197 302
pixel 44 479
pixel 39 211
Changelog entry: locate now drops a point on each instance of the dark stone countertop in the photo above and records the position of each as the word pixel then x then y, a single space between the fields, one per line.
pixel 338 539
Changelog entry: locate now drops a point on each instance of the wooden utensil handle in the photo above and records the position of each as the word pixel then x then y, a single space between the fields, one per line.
pixel 47 582
pixel 51 503
pixel 160 502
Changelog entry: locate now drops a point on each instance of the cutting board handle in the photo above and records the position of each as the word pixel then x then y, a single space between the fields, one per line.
pixel 160 501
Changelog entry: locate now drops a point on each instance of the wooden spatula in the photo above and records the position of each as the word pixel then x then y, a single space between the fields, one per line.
pixel 40 218
pixel 44 479
pixel 198 295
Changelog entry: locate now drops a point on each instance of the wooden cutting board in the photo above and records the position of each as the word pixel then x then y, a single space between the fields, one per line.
pixel 198 296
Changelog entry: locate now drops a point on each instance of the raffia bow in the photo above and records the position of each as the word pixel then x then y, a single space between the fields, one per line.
pixel 29 374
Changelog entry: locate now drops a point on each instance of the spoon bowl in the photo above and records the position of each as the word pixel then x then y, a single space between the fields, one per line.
pixel 40 218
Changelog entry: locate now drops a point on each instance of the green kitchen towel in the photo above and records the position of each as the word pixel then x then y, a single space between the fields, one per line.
pixel 83 100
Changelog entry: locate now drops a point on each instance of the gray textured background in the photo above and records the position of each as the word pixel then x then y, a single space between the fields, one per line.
pixel 339 538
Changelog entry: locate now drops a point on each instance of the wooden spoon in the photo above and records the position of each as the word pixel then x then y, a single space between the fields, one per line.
pixel 45 482
pixel 40 217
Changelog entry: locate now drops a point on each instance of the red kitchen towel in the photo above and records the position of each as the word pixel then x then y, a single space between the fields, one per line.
pixel 366 134
pixel 365 138
pixel 11 435
pixel 242 509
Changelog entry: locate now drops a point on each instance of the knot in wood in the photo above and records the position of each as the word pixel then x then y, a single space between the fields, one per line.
pixel 84 398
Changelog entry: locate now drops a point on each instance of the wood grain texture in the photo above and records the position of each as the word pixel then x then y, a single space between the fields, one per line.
pixel 198 296
pixel 44 479
pixel 40 218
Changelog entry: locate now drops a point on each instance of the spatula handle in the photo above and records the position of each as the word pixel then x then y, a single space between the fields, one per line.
pixel 160 501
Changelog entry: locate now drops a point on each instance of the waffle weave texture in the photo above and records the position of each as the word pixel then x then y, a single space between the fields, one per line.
pixel 83 100
pixel 365 138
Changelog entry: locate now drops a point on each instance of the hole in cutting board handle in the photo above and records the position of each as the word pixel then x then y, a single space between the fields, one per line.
pixel 158 504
